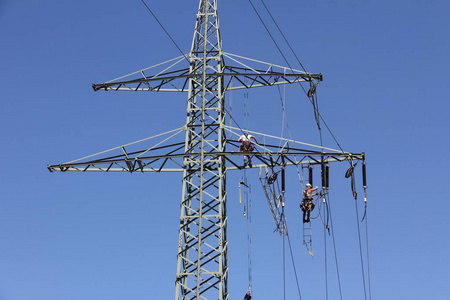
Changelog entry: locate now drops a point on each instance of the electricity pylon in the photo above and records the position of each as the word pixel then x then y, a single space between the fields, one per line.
pixel 202 269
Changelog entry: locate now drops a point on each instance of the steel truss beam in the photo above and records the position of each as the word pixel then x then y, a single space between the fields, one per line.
pixel 178 80
pixel 273 156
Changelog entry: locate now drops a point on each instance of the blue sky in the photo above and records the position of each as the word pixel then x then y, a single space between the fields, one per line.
pixel 104 236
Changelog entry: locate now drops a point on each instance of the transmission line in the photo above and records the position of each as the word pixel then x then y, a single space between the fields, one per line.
pixel 160 24
pixel 360 250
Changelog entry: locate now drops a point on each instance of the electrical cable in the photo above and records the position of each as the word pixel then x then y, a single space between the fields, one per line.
pixel 246 114
pixel 273 39
pixel 315 103
pixel 235 122
pixel 326 260
pixel 160 24
pixel 334 246
pixel 285 39
pixel 329 130
pixel 283 107
pixel 318 117
pixel 311 100
pixel 284 263
pixel 291 252
pixel 360 250
pixel 284 221
pixel 326 209
pixel 316 113
pixel 284 119
pixel 368 260
pixel 293 264
pixel 184 55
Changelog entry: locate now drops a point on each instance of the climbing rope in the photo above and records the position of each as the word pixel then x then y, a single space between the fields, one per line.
pixel 249 232
pixel 247 212
pixel 248 202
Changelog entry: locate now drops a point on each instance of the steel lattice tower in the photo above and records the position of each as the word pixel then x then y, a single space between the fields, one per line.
pixel 202 244
pixel 202 271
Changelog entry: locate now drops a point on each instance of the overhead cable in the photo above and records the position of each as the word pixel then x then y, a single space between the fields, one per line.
pixel 273 39
pixel 360 251
pixel 160 24
pixel 335 252
pixel 285 39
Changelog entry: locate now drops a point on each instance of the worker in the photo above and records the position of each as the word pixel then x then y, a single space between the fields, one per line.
pixel 307 205
pixel 247 296
pixel 246 146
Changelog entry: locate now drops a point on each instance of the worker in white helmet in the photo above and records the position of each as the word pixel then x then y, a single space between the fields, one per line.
pixel 246 146
pixel 307 204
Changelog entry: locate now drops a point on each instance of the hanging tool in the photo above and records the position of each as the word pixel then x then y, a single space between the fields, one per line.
pixel 350 174
pixel 241 183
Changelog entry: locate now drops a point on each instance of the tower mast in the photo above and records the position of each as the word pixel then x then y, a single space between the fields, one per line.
pixel 202 248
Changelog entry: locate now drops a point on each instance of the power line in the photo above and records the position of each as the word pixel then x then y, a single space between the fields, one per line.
pixel 334 247
pixel 293 264
pixel 368 260
pixel 325 246
pixel 273 39
pixel 284 57
pixel 285 39
pixel 160 24
pixel 360 250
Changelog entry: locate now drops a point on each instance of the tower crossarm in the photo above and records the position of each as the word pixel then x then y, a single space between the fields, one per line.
pixel 249 78
pixel 243 75
pixel 178 81
pixel 172 159
pixel 175 81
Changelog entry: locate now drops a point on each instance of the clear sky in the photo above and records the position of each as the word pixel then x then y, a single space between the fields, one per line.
pixel 105 236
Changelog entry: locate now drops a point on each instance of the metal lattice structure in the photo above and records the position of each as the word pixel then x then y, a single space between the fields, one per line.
pixel 203 159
